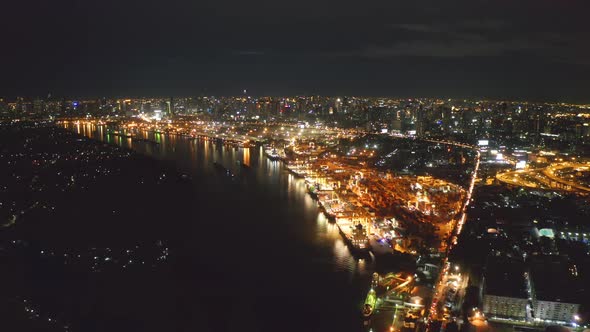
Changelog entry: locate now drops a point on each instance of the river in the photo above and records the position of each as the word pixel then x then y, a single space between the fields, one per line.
pixel 273 261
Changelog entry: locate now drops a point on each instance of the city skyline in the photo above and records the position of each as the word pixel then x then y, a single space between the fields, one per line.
pixel 437 213
pixel 264 165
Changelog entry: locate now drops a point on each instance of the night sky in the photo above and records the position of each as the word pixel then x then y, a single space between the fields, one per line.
pixel 501 49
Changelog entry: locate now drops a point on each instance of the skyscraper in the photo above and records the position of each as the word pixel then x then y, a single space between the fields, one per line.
pixel 170 107
pixel 420 121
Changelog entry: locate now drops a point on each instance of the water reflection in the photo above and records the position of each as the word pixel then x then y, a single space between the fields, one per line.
pixel 272 186
pixel 246 159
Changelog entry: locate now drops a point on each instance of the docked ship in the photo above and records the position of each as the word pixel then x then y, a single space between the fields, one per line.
pixel 359 239
pixel 272 153
pixel 312 189
pixel 245 144
pixel 146 141
pixel 370 303
pixel 120 133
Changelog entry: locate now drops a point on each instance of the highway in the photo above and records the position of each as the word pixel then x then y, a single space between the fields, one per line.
pixel 551 170
pixel 546 178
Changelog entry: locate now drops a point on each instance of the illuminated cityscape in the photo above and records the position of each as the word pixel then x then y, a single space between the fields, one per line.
pixel 461 208
pixel 264 166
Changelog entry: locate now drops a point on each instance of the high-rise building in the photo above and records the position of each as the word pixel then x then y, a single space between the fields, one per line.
pixel 556 289
pixel 420 121
pixel 170 107
pixel 505 289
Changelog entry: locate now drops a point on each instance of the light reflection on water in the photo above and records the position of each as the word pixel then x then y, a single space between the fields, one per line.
pixel 195 156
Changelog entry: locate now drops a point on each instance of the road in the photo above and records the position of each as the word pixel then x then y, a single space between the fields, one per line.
pixel 440 285
pixel 545 178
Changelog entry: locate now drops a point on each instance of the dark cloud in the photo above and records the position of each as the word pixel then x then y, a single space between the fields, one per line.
pixel 156 46
pixel 452 48
pixel 418 27
pixel 249 53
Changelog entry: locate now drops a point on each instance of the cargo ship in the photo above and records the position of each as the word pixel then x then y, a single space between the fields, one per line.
pixel 312 189
pixel 370 303
pixel 273 154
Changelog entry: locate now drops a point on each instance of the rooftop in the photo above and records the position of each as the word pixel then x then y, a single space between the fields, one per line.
pixel 553 280
pixel 505 277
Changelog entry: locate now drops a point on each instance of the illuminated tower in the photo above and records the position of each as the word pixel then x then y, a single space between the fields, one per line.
pixel 170 105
